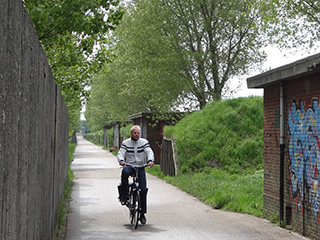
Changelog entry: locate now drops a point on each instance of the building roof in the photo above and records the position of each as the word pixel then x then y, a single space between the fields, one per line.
pixel 112 124
pixel 305 66
pixel 140 115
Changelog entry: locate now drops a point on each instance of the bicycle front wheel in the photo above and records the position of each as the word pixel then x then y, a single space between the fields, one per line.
pixel 135 210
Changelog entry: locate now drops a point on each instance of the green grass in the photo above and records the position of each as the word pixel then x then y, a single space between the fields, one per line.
pixel 220 189
pixel 220 155
pixel 226 134
pixel 64 207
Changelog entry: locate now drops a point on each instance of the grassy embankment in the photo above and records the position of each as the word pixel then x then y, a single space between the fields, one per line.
pixel 220 152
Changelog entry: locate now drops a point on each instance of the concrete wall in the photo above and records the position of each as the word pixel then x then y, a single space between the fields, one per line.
pixel 33 132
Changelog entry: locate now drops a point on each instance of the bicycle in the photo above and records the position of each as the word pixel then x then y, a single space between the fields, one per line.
pixel 134 203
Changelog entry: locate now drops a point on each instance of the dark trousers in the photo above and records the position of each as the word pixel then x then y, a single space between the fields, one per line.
pixel 126 172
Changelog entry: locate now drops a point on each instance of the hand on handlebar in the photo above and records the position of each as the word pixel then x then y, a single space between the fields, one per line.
pixel 150 164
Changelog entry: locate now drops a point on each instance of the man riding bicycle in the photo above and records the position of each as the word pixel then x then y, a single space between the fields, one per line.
pixel 136 151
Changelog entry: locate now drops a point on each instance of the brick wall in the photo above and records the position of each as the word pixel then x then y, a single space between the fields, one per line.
pixel 302 153
pixel 271 150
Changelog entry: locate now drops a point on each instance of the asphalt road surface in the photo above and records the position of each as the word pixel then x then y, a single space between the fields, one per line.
pixel 172 214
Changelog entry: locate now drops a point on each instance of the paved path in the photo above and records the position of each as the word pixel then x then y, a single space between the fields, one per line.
pixel 172 214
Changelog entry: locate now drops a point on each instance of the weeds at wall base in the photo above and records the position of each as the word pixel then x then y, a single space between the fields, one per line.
pixel 64 207
pixel 274 218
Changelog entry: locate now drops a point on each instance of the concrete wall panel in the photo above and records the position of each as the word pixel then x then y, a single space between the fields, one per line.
pixel 33 132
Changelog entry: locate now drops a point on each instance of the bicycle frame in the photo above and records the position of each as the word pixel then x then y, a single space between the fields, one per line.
pixel 134 203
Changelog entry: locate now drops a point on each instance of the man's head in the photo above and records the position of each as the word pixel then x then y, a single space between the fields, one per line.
pixel 135 132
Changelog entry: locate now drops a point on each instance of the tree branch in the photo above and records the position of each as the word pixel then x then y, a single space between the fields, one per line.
pixel 49 33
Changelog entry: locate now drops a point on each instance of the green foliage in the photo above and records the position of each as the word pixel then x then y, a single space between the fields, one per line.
pixel 220 189
pixel 95 137
pixel 273 217
pixel 173 54
pixel 125 131
pixel 52 18
pixel 296 24
pixel 226 134
pixel 155 171
pixel 168 132
pixel 97 111
pixel 70 32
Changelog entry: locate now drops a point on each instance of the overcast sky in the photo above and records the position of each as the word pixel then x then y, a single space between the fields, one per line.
pixel 276 58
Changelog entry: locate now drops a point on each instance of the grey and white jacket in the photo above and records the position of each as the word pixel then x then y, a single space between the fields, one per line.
pixel 135 152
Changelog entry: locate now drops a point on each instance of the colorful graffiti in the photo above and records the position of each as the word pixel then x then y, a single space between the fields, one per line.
pixel 304 152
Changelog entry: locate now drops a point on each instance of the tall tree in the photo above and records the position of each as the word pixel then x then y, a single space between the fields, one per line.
pixel 112 99
pixel 128 86
pixel 191 48
pixel 73 36
pixel 297 24
pixel 97 110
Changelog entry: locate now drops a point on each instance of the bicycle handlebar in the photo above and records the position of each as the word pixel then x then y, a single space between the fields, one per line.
pixel 136 166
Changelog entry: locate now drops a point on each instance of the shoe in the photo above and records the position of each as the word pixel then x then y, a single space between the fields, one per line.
pixel 143 219
pixel 124 200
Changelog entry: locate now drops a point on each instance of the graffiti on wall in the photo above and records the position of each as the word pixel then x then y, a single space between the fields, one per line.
pixel 304 152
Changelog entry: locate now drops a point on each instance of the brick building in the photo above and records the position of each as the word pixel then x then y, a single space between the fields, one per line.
pixel 292 143
pixel 151 130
